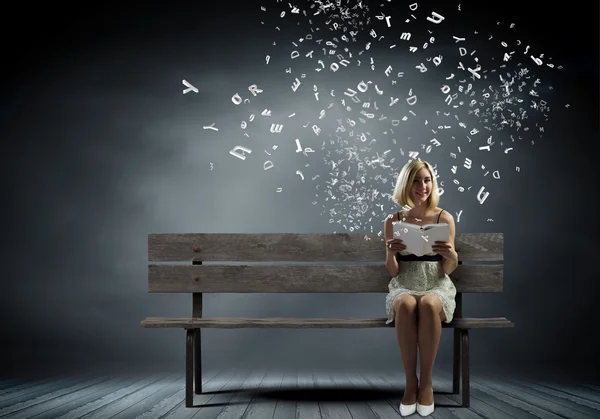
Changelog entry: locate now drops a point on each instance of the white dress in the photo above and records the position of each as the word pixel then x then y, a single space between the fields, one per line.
pixel 420 278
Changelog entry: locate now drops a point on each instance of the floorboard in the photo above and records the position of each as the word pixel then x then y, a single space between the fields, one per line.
pixel 532 398
pixel 382 408
pixel 481 403
pixel 240 394
pixel 355 398
pixel 579 407
pixel 285 405
pixel 72 400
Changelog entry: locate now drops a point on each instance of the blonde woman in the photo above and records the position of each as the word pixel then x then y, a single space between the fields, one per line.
pixel 421 294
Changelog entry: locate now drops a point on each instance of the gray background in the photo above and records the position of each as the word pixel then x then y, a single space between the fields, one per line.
pixel 101 147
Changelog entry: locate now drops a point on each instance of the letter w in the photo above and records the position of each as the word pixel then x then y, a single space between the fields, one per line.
pixel 276 127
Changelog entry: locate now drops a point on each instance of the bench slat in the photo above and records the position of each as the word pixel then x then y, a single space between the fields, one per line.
pixel 301 323
pixel 338 247
pixel 303 278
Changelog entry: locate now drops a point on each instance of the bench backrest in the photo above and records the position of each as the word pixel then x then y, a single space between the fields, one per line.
pixel 349 269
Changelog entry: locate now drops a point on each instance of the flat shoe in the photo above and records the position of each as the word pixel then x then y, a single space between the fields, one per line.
pixel 409 409
pixel 425 410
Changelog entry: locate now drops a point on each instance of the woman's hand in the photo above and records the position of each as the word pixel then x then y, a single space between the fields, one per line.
pixel 394 245
pixel 446 250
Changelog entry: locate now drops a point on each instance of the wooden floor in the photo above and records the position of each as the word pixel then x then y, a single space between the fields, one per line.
pixel 258 395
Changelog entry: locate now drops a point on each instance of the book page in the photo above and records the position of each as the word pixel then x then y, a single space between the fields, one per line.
pixel 410 234
pixel 418 239
pixel 439 232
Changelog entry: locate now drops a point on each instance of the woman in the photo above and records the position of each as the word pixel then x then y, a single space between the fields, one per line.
pixel 421 294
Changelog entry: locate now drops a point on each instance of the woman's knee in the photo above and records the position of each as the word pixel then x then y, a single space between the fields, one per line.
pixel 429 304
pixel 405 304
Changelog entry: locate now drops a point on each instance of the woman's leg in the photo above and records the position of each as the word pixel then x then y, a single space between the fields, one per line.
pixel 429 332
pixel 405 321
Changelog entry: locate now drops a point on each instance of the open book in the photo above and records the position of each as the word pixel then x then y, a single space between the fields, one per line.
pixel 418 239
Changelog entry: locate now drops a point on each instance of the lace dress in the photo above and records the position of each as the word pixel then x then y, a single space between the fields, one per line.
pixel 420 277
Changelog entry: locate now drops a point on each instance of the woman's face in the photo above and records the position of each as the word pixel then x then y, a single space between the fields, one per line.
pixel 421 187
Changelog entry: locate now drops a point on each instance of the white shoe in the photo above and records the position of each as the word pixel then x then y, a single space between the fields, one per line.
pixel 425 410
pixel 409 409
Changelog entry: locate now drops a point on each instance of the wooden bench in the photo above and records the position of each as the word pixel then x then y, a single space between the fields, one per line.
pixel 198 279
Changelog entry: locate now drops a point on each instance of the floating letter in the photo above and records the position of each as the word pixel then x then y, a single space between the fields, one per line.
pixel 435 18
pixel 296 84
pixel 254 89
pixel 189 87
pixel 276 128
pixel 481 196
pixel 238 155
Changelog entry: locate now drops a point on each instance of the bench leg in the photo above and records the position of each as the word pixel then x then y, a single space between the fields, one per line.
pixel 189 368
pixel 456 363
pixel 466 390
pixel 197 362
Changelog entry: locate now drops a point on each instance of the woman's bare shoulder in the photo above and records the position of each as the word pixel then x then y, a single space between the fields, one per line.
pixel 445 215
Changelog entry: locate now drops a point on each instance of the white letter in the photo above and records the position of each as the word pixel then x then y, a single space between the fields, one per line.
pixel 276 128
pixel 435 18
pixel 254 89
pixel 481 197
pixel 189 87
pixel 296 84
pixel 238 155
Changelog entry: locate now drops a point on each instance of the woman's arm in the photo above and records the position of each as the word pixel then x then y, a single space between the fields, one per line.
pixel 391 264
pixel 450 257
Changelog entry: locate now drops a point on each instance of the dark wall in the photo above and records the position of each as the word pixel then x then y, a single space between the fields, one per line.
pixel 101 147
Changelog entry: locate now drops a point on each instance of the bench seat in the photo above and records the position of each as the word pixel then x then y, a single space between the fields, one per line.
pixel 306 323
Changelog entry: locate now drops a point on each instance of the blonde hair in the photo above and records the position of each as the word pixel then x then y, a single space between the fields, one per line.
pixel 401 195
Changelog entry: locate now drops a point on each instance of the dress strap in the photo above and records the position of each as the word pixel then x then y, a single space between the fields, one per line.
pixel 438 220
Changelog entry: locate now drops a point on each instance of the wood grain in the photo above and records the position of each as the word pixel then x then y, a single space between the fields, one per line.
pixel 307 323
pixel 277 247
pixel 303 278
